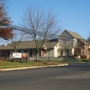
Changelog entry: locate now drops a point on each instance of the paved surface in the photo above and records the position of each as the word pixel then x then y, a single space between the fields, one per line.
pixel 71 77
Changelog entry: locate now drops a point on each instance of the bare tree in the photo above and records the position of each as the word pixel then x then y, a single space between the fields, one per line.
pixel 17 39
pixel 40 25
pixel 66 44
pixel 88 38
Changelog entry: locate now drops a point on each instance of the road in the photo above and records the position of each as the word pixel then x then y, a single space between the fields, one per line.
pixel 52 78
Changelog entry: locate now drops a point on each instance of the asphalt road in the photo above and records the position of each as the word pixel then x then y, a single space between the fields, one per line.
pixel 55 78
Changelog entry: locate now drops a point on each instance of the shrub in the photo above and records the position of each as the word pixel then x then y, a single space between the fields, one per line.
pixel 76 54
pixel 83 56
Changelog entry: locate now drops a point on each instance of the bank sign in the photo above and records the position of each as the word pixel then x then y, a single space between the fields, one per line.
pixel 20 55
pixel 17 55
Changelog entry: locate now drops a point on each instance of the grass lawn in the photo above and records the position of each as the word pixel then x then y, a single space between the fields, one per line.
pixel 84 60
pixel 10 64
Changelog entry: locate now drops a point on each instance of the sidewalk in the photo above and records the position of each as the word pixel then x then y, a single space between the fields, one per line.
pixel 22 68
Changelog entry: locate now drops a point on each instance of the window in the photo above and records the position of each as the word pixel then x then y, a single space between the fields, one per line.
pixel 68 51
pixel 19 51
pixel 61 52
pixel 82 52
pixel 25 51
pixel 30 53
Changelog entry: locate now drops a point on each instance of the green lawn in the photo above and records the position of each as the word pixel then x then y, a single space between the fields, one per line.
pixel 84 60
pixel 10 64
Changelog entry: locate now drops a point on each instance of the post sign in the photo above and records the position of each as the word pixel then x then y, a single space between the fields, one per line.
pixel 24 55
pixel 17 55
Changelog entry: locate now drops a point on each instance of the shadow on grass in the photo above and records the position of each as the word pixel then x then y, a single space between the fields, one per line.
pixel 85 60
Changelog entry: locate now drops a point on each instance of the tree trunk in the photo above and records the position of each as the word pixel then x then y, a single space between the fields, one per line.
pixel 14 59
pixel 14 50
pixel 37 55
pixel 65 54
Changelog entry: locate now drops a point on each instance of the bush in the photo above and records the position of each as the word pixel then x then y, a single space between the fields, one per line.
pixel 71 56
pixel 83 56
pixel 76 54
pixel 86 60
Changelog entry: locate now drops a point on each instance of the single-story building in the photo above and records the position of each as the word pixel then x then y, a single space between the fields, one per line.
pixel 48 49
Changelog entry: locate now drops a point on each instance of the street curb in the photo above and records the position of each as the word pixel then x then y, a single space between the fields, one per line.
pixel 22 68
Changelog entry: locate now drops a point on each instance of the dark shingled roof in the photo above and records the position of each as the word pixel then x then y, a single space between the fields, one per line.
pixel 28 45
pixel 50 44
pixel 21 45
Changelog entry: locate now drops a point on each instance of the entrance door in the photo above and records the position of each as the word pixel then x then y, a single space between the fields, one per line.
pixel 43 52
pixel 61 52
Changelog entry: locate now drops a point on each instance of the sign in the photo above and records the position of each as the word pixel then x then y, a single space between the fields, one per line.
pixel 24 55
pixel 17 55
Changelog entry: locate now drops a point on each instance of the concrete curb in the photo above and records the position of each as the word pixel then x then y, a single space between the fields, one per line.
pixel 22 68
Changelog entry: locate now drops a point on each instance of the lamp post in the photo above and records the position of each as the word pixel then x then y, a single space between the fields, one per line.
pixel 49 51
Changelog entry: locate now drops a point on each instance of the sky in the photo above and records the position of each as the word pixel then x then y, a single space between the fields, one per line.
pixel 73 15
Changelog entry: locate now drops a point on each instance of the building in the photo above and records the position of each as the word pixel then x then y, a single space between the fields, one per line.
pixel 48 48
pixel 74 43
pixel 68 42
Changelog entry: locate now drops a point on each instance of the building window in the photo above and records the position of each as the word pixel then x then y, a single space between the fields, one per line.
pixel 25 51
pixel 30 53
pixel 62 52
pixel 19 51
pixel 68 51
pixel 82 52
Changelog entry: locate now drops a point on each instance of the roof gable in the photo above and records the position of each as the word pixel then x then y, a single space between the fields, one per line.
pixel 74 34
pixel 65 35
pixel 70 35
